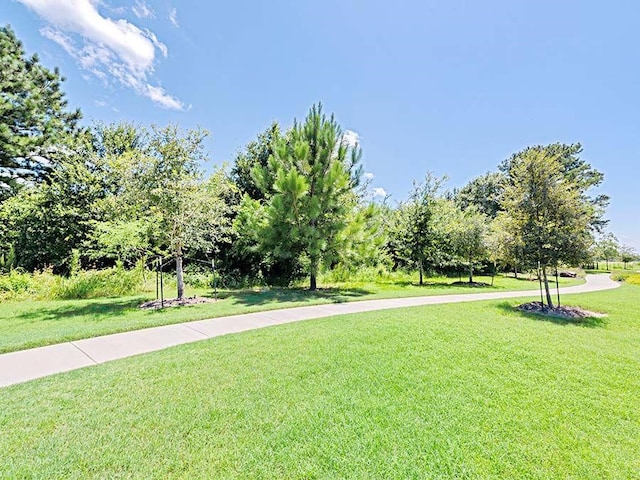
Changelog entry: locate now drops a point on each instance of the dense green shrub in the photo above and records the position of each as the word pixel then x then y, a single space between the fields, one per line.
pixel 16 284
pixel 631 278
pixel 198 279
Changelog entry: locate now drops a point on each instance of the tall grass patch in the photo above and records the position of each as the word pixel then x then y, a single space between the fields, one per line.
pixel 83 284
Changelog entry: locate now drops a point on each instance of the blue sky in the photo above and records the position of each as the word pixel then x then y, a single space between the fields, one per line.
pixel 451 87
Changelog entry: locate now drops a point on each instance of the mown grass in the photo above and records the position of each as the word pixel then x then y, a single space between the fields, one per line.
pixel 445 391
pixel 615 267
pixel 35 323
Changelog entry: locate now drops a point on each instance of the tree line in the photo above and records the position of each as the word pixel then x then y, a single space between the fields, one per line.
pixel 293 203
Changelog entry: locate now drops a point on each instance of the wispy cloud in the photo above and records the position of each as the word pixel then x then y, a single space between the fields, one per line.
pixel 142 10
pixel 161 97
pixel 173 17
pixel 369 175
pixel 109 49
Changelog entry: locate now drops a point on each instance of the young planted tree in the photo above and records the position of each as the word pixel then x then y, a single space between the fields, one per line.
pixel 575 171
pixel 33 115
pixel 547 211
pixel 312 174
pixel 609 248
pixel 628 254
pixel 169 183
pixel 469 237
pixel 413 239
pixel 504 245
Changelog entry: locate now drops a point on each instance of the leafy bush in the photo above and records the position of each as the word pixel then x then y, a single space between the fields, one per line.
pixel 16 284
pixel 631 278
pixel 197 275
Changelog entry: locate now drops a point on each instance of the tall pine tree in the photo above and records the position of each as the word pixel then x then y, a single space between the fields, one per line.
pixel 33 114
pixel 313 174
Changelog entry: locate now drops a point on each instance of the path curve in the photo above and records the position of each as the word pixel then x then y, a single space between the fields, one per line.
pixel 24 365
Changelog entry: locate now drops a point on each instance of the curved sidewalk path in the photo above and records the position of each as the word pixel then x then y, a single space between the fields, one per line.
pixel 24 365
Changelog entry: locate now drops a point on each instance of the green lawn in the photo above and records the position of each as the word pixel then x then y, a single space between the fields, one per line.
pixel 616 267
pixel 444 391
pixel 36 323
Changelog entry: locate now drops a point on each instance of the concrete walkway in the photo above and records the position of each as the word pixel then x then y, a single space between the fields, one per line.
pixel 17 367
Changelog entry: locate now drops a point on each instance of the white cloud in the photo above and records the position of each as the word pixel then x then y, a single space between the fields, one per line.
pixel 110 49
pixel 379 192
pixel 173 17
pixel 350 138
pixel 369 175
pixel 159 45
pixel 142 10
pixel 60 38
pixel 158 95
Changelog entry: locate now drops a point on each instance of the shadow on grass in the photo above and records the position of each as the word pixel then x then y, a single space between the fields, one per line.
pixel 589 322
pixel 533 280
pixel 98 309
pixel 290 295
pixel 428 284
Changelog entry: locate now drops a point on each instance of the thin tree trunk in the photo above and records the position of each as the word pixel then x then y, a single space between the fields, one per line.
pixel 557 285
pixel 179 274
pixel 421 273
pixel 540 284
pixel 493 273
pixel 313 274
pixel 546 287
pixel 470 272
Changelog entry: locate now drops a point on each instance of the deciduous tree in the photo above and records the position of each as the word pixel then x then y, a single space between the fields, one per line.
pixel 412 236
pixel 483 192
pixel 169 180
pixel 547 210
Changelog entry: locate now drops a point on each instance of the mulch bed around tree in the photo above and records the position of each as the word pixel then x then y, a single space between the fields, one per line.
pixel 471 284
pixel 561 311
pixel 174 302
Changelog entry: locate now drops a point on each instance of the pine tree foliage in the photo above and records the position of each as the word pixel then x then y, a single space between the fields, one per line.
pixel 33 115
pixel 255 155
pixel 313 174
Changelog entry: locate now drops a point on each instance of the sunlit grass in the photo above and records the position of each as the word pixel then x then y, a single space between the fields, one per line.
pixel 36 323
pixel 445 391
